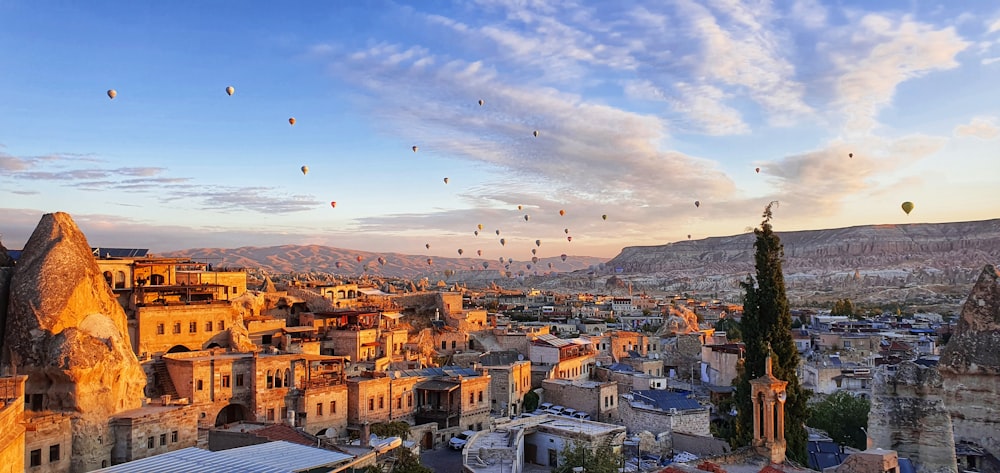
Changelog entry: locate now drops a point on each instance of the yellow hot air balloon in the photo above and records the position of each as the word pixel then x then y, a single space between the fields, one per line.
pixel 230 91
pixel 112 93
pixel 291 121
pixel 480 226
pixel 907 207
pixel 305 170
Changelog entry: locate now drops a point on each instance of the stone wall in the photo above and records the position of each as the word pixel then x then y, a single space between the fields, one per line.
pixel 175 323
pixel 637 419
pixel 153 430
pixel 48 442
pixel 11 426
pixel 908 415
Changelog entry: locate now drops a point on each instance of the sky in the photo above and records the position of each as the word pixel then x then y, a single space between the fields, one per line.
pixel 642 109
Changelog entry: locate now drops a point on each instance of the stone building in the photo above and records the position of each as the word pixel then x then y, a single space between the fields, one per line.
pixel 152 430
pixel 12 449
pixel 381 397
pixel 719 363
pixel 599 399
pixel 510 380
pixel 563 358
pixel 48 441
pixel 454 398
pixel 663 412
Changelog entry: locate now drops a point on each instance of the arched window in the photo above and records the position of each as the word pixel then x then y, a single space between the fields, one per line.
pixel 108 277
pixel 288 378
pixel 120 280
pixel 270 379
pixel 277 378
pixel 156 280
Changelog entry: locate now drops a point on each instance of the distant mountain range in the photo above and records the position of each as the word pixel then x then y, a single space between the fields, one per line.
pixel 929 265
pixel 325 259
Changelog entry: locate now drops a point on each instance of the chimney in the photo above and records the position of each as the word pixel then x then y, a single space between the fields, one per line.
pixel 366 435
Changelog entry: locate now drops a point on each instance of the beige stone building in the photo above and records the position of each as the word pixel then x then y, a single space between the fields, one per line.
pixel 510 380
pixel 597 398
pixel 48 442
pixel 454 398
pixel 153 430
pixel 12 424
pixel 381 397
pixel 719 363
pixel 563 358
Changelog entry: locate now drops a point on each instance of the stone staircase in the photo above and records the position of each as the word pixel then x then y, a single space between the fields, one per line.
pixel 163 381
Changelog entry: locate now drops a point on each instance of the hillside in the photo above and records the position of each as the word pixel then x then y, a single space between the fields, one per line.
pixel 324 259
pixel 920 264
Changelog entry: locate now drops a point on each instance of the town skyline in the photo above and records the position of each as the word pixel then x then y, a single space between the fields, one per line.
pixel 641 110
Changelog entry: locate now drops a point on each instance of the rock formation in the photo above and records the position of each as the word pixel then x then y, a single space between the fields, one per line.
pixel 67 332
pixel 908 415
pixel 970 366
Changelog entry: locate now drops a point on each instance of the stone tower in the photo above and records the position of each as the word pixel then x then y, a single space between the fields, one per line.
pixel 768 395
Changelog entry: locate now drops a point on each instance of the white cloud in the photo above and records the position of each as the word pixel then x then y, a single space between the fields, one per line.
pixel 809 13
pixel 878 54
pixel 993 27
pixel 980 127
pixel 704 104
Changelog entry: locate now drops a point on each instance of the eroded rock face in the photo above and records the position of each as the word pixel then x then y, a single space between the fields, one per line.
pixel 66 331
pixel 970 367
pixel 908 414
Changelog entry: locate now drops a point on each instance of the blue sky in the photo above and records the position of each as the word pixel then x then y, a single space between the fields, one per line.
pixel 641 109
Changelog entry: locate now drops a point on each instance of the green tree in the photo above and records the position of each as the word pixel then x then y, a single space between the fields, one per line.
pixel 731 327
pixel 407 462
pixel 391 429
pixel 767 330
pixel 843 416
pixel 843 307
pixel 602 459
pixel 530 401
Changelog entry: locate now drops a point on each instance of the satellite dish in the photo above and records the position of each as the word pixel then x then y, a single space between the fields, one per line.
pixel 520 357
pixel 598 363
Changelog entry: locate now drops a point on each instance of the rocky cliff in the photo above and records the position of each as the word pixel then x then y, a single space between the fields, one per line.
pixel 908 414
pixel 66 331
pixel 930 262
pixel 970 366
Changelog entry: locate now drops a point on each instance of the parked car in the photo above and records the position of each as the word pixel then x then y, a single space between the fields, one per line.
pixel 581 415
pixel 557 410
pixel 568 412
pixel 545 406
pixel 458 442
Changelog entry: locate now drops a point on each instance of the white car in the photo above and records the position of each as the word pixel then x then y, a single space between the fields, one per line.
pixel 458 442
pixel 581 415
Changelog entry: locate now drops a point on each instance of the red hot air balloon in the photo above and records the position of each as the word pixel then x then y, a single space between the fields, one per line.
pixel 333 204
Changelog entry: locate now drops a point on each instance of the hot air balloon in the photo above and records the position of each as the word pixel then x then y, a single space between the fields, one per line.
pixel 498 232
pixel 339 264
pixel 333 204
pixel 566 231
pixel 538 242
pixel 480 226
pixel 519 207
pixel 481 102
pixel 569 238
pixel 501 260
pixel 360 258
pixel 535 133
pixel 550 265
pixel 907 207
pixel 486 264
pixel 563 256
pixel 534 259
pixel 697 203
pixel 112 93
pixel 446 180
pixel 415 149
pixel 510 260
pixel 604 217
pixel 291 121
pixel 479 252
pixel 526 217
pixel 305 170
pixel 430 261
pixel 460 251
pixel 528 266
pixel 850 155
pixel 476 233
pixel 503 242
pixel 689 236
pixel 562 212
pixel 230 91
pixel 534 251
pixel 381 261
pixel 428 246
pixel 757 170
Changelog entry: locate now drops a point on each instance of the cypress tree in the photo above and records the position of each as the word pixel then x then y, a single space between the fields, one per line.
pixel 767 328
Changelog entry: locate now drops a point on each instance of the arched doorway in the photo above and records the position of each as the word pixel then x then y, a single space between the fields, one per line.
pixel 230 414
pixel 178 349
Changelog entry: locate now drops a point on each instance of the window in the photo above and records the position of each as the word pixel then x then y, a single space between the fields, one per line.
pixel 239 380
pixel 159 329
pixel 270 415
pixel 36 457
pixel 163 439
pixel 399 402
pixel 222 325
pixel 173 436
pixel 193 327
pixel 120 280
pixel 453 345
pixel 225 381
pixel 444 345
pixel 480 396
pixel 371 404
pixel 319 408
pixel 208 326
pixel 177 327
pixel 409 400
pixel 201 385
pixel 234 289
pixel 150 442
pixel 333 407
pixel 53 453
pixel 381 402
pixel 270 380
pixel 472 399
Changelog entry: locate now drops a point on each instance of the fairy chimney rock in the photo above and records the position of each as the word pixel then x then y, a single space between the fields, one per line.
pixel 970 367
pixel 66 331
